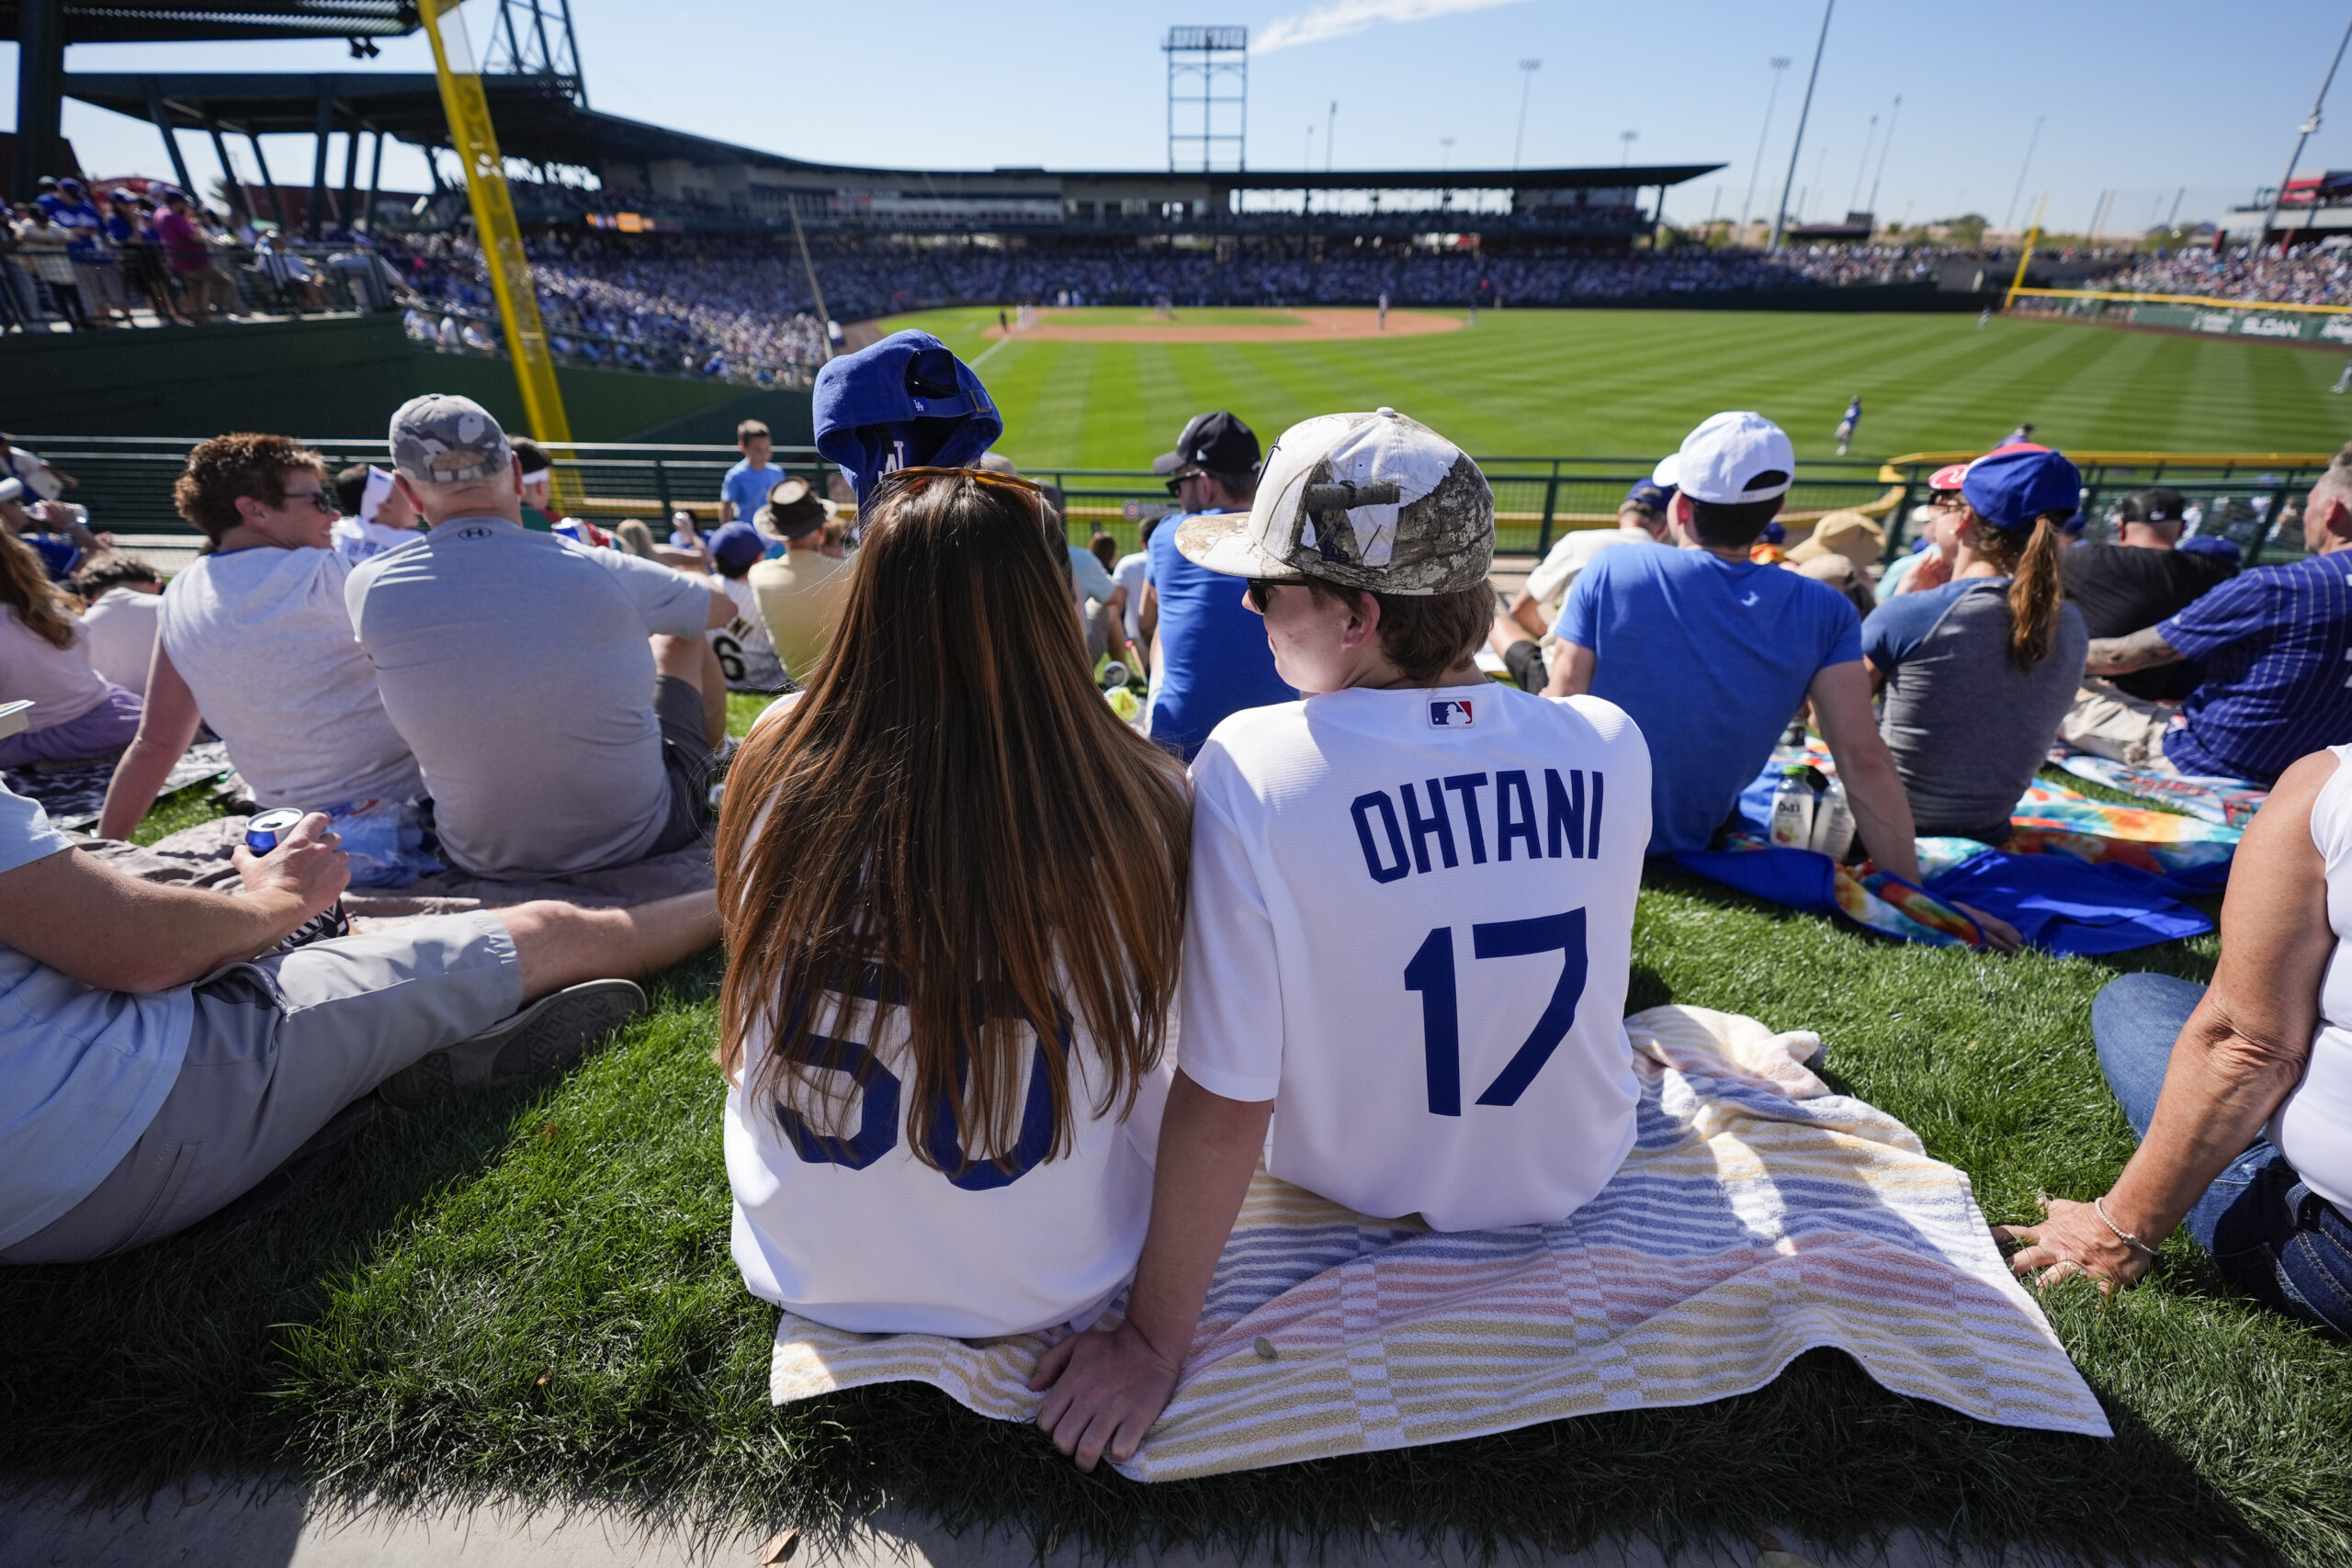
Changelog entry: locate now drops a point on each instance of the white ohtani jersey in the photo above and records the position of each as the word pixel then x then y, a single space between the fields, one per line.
pixel 1411 920
pixel 746 657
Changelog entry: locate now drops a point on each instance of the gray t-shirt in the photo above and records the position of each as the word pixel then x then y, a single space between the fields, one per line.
pixel 515 665
pixel 82 1071
pixel 1968 728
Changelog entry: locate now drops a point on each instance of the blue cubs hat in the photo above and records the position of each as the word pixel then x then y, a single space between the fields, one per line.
pixel 904 402
pixel 2011 486
pixel 2211 544
pixel 1649 494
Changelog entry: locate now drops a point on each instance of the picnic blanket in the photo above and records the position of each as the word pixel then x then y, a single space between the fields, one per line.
pixel 2077 875
pixel 2231 802
pixel 1759 1216
pixel 199 857
pixel 74 795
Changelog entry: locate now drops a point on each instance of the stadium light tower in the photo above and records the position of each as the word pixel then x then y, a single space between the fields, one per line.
pixel 2304 135
pixel 1625 140
pixel 1748 203
pixel 1527 70
pixel 1201 61
pixel 1780 212
pixel 534 38
pixel 1893 114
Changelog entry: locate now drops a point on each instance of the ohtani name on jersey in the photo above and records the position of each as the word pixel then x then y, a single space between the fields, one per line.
pixel 1418 828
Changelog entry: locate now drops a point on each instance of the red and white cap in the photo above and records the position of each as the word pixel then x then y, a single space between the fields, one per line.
pixel 1948 477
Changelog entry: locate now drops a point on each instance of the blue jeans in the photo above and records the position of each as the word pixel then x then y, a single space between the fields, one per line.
pixel 2273 1238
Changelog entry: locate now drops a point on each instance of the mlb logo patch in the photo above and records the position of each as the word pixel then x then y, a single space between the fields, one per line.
pixel 1451 713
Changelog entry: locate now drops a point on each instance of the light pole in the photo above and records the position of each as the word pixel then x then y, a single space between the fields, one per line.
pixel 1780 63
pixel 1626 139
pixel 1331 129
pixel 2304 135
pixel 1445 157
pixel 1895 113
pixel 2032 142
pixel 1781 213
pixel 1527 69
pixel 1868 139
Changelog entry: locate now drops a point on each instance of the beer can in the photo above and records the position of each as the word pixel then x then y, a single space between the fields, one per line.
pixel 265 829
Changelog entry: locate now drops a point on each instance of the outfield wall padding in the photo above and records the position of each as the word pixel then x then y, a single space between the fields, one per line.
pixel 337 373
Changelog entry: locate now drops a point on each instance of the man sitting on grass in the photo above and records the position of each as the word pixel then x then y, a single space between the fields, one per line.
pixel 160 1061
pixel 560 700
pixel 2141 580
pixel 1411 911
pixel 2276 645
pixel 1710 652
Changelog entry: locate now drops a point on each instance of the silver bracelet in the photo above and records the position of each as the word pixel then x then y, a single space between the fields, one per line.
pixel 2099 1207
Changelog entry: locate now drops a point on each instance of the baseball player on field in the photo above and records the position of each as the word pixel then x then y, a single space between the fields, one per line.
pixel 1412 908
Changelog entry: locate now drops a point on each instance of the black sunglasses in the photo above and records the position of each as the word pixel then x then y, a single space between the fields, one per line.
pixel 1176 480
pixel 1261 588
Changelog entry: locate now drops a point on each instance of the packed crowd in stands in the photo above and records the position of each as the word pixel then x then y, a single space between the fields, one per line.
pixel 961 813
pixel 2306 276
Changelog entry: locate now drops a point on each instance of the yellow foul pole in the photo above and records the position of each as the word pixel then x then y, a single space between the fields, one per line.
pixel 2025 256
pixel 468 109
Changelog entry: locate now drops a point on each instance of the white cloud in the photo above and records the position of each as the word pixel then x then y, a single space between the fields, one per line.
pixel 1337 19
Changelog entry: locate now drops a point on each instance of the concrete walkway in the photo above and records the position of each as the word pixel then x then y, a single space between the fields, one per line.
pixel 234 1525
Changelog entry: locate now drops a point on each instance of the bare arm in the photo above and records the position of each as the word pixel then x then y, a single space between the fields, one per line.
pixel 1841 705
pixel 2143 649
pixel 722 610
pixel 1148 621
pixel 2242 1052
pixel 1572 671
pixel 1114 612
pixel 167 727
pixel 1527 614
pixel 1103 1390
pixel 84 919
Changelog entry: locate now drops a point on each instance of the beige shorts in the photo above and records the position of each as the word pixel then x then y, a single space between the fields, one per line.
pixel 2108 721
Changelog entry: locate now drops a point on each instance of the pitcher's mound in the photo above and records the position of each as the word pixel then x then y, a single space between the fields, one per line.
pixel 1279 326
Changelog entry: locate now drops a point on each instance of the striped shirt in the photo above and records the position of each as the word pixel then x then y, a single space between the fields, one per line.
pixel 2276 643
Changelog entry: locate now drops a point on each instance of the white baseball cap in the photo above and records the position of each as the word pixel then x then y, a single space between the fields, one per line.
pixel 1721 460
pixel 1371 501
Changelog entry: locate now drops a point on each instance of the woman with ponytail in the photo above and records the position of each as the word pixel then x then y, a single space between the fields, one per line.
pixel 1978 673
pixel 78 715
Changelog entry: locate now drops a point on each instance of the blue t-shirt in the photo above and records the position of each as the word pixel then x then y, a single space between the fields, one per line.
pixel 82 1071
pixel 1711 658
pixel 84 223
pixel 59 555
pixel 748 488
pixel 1213 658
pixel 2276 643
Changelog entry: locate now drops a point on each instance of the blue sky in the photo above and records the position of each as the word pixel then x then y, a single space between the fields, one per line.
pixel 2143 100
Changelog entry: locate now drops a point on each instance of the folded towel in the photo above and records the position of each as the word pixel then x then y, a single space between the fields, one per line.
pixel 1757 1216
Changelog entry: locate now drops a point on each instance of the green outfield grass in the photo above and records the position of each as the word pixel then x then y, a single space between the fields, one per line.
pixel 1629 383
pixel 528 1293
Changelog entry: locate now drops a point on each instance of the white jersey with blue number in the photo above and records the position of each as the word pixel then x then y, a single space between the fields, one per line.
pixel 836 1219
pixel 1412 921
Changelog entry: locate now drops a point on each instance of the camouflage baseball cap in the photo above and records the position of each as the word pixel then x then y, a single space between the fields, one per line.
pixel 1372 501
pixel 443 439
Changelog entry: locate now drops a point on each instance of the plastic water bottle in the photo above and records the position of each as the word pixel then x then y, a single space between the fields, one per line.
pixel 1793 802
pixel 1833 822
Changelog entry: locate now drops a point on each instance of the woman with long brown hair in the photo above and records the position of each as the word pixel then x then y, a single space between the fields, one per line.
pixel 77 714
pixel 953 885
pixel 1979 673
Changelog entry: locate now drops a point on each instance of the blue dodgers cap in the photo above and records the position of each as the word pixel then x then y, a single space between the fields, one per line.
pixel 2011 486
pixel 2211 544
pixel 905 402
pixel 1649 494
pixel 738 545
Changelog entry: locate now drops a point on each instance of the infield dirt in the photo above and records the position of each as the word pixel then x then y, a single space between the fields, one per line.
pixel 1312 326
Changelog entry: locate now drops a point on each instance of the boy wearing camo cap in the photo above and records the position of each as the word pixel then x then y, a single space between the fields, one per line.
pixel 560 699
pixel 1412 905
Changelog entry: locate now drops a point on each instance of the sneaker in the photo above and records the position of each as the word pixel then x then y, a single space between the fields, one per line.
pixel 552 1031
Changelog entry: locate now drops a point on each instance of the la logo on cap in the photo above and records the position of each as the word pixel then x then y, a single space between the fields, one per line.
pixel 1449 712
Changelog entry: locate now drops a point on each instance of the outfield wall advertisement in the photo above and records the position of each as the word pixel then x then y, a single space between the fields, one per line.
pixel 2224 320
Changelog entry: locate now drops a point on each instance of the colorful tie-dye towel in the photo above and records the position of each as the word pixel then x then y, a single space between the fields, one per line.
pixel 1759 1215
pixel 2231 803
pixel 2191 852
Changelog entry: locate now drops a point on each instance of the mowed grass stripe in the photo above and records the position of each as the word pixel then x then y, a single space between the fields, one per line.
pixel 1631 383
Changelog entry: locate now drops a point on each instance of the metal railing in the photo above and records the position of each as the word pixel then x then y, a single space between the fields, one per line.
pixel 292 280
pixel 2252 499
pixel 126 481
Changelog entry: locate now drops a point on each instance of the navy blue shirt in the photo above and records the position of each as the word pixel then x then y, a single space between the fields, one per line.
pixel 1214 658
pixel 2276 643
pixel 1711 658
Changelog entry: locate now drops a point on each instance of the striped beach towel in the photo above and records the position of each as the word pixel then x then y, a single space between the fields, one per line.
pixel 1760 1215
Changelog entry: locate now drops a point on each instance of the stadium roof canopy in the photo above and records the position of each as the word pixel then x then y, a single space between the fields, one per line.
pixel 173 21
pixel 718 184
